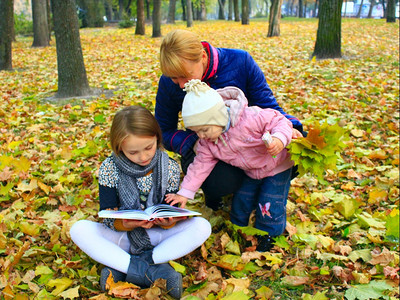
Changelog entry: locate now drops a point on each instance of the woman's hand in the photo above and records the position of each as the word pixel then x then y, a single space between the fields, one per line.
pixel 131 224
pixel 173 199
pixel 275 146
pixel 296 134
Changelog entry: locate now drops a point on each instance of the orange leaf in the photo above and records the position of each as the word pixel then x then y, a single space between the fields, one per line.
pixel 315 138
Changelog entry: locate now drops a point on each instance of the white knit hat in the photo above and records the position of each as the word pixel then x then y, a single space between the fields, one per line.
pixel 203 105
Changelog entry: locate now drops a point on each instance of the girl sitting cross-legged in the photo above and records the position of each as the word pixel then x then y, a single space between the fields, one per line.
pixel 137 175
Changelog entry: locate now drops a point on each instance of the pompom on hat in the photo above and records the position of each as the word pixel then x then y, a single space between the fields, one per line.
pixel 203 105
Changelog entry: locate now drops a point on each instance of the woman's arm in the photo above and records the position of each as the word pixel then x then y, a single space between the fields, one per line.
pixel 168 105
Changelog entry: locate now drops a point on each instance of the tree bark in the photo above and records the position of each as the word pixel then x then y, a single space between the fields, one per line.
pixel 230 10
pixel 40 26
pixel 203 13
pixel 171 12
pixel 329 33
pixel 140 20
pixel 49 21
pixel 236 10
pixel 360 9
pixel 371 8
pixel 156 18
pixel 6 33
pixel 121 9
pixel 301 15
pixel 189 13
pixel 72 79
pixel 245 12
pixel 391 11
pixel 183 4
pixel 275 18
pixel 221 9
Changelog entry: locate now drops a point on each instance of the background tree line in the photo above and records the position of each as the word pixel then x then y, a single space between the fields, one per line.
pixel 65 17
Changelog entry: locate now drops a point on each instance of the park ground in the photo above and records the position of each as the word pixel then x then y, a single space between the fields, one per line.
pixel 342 239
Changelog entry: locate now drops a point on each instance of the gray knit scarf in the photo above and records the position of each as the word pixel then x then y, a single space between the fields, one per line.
pixel 129 195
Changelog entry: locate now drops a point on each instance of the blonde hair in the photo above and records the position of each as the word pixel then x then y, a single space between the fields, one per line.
pixel 179 45
pixel 135 120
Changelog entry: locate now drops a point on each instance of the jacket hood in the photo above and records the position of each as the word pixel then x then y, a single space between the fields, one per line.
pixel 235 99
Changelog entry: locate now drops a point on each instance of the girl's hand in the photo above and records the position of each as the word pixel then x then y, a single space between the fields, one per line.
pixel 275 146
pixel 131 224
pixel 166 222
pixel 173 199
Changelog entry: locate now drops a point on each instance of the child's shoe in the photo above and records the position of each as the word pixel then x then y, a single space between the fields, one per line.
pixel 265 243
pixel 143 272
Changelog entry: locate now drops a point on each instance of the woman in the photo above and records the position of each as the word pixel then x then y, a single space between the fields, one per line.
pixel 184 57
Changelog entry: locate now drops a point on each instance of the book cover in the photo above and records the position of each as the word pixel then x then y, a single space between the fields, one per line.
pixel 150 213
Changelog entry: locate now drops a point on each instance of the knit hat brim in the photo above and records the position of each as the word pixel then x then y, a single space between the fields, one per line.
pixel 216 115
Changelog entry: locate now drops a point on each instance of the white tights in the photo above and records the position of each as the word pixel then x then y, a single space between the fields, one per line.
pixel 111 248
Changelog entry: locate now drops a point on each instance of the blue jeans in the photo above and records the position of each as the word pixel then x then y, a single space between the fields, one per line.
pixel 268 196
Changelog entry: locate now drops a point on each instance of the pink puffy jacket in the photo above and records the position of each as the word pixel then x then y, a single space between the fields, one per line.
pixel 241 145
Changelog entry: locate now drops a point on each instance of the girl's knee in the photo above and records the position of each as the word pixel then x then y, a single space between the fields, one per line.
pixel 203 227
pixel 79 228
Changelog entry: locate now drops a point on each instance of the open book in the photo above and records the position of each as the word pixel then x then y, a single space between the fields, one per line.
pixel 149 214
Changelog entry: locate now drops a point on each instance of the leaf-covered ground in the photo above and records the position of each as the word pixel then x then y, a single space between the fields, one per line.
pixel 342 237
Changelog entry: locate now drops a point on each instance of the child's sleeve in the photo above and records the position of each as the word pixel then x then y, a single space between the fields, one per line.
pixel 174 176
pixel 108 195
pixel 197 172
pixel 277 125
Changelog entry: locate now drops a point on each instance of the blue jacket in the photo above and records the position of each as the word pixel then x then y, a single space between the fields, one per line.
pixel 234 68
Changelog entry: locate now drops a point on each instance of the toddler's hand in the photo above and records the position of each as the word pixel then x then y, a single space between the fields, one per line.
pixel 275 146
pixel 173 199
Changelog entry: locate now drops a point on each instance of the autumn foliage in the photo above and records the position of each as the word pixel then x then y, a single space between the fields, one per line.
pixel 342 234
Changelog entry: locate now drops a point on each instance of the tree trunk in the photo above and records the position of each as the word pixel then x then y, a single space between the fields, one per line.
pixel 236 10
pixel 371 8
pixel 391 11
pixel 275 18
pixel 230 10
pixel 301 15
pixel 140 22
pixel 189 13
pixel 171 12
pixel 40 26
pixel 121 9
pixel 291 7
pixel 6 33
pixel 316 9
pixel 221 10
pixel 72 79
pixel 147 10
pixel 359 10
pixel 49 21
pixel 384 8
pixel 203 13
pixel 108 9
pixel 156 18
pixel 183 4
pixel 245 12
pixel 329 33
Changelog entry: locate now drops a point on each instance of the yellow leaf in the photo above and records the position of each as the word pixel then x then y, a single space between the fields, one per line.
pixel 60 284
pixel 377 195
pixel 14 144
pixel 71 293
pixel 24 187
pixel 357 132
pixel 5 161
pixel 239 283
pixel 43 187
pixel 29 228
pixel 22 164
